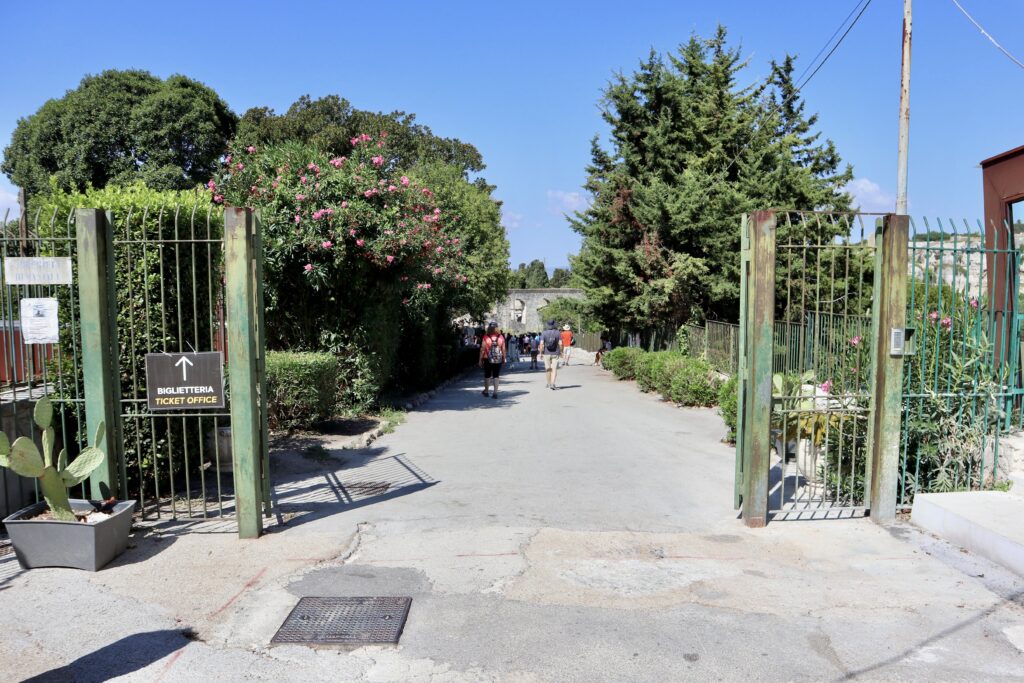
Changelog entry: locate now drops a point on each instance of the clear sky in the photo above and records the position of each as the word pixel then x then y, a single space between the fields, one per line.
pixel 521 80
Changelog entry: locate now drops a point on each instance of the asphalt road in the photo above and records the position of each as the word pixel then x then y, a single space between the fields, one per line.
pixel 585 534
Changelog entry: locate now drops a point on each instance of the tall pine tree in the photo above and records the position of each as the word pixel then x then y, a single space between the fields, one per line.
pixel 691 150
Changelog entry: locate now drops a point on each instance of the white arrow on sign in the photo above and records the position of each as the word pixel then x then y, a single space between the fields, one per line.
pixel 183 362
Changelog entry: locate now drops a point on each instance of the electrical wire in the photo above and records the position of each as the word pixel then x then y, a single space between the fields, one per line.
pixel 987 35
pixel 798 88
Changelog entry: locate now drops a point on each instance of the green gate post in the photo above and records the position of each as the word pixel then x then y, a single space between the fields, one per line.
pixel 261 367
pixel 246 421
pixel 889 312
pixel 97 304
pixel 758 316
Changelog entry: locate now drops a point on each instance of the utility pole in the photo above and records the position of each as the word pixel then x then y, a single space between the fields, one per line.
pixel 901 158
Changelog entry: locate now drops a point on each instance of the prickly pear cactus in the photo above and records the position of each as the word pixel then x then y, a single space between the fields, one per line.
pixel 24 458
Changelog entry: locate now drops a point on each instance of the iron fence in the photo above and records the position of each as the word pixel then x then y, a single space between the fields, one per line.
pixel 29 371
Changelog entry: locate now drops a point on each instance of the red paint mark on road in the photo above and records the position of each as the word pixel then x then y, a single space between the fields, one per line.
pixel 169 664
pixel 247 586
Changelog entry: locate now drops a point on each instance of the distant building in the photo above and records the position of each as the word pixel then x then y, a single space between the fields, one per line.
pixel 520 311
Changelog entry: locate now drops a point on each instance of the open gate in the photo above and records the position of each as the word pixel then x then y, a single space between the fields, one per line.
pixel 872 365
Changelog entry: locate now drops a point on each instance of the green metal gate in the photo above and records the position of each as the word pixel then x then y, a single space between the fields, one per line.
pixel 163 279
pixel 872 365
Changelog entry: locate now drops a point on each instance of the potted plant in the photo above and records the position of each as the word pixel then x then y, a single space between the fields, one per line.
pixel 59 532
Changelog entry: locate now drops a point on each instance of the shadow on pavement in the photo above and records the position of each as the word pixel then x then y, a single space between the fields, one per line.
pixel 120 658
pixel 367 477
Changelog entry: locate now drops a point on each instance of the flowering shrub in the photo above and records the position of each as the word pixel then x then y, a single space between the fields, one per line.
pixel 328 218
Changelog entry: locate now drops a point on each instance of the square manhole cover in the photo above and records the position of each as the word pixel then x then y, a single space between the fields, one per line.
pixel 345 621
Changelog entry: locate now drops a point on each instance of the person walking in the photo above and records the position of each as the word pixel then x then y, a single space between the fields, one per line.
pixel 551 343
pixel 534 341
pixel 492 355
pixel 512 347
pixel 567 342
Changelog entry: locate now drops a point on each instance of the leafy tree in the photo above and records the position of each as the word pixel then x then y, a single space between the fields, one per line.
pixel 536 275
pixel 474 217
pixel 560 278
pixel 332 124
pixel 575 312
pixel 532 276
pixel 120 127
pixel 690 152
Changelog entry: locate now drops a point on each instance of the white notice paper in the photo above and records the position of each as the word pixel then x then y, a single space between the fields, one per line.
pixel 39 321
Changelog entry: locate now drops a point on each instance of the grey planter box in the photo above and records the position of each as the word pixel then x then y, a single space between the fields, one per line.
pixel 51 543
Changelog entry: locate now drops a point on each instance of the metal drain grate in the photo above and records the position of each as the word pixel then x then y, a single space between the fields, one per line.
pixel 345 621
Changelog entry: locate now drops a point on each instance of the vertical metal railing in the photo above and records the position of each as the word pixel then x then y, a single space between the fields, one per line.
pixel 960 386
pixel 169 279
pixel 28 372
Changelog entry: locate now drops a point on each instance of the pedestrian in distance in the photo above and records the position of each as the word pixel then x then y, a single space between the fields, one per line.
pixel 492 355
pixel 567 342
pixel 512 347
pixel 605 347
pixel 551 343
pixel 534 342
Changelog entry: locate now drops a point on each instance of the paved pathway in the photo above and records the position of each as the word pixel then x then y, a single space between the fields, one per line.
pixel 585 534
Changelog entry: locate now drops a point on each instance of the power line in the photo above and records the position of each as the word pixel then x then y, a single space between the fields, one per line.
pixel 798 88
pixel 987 35
pixel 829 41
pixel 835 47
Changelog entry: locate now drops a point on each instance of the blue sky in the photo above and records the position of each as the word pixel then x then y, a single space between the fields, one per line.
pixel 521 80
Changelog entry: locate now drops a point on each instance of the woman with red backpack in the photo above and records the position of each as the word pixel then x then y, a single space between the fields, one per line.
pixel 492 355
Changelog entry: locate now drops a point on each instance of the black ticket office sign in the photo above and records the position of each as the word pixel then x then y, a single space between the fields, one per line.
pixel 177 381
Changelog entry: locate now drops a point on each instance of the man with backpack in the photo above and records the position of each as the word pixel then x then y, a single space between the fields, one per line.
pixel 550 343
pixel 492 355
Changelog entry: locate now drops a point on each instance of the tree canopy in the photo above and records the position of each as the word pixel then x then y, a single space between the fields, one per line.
pixel 121 127
pixel 532 276
pixel 691 150
pixel 332 125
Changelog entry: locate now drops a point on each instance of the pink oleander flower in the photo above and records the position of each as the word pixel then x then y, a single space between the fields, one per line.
pixel 405 302
pixel 947 322
pixel 437 271
pixel 404 181
pixel 218 198
pixel 426 286
pixel 326 244
pixel 437 212
pixel 974 304
pixel 392 188
pixel 250 149
pixel 298 218
pixel 336 162
pixel 353 141
pixel 440 249
pixel 934 316
pixel 308 267
pixel 364 137
pixel 303 180
pixel 856 340
pixel 378 160
pixel 228 160
pixel 210 185
pixel 344 205
pixel 369 193
pixel 390 258
pixel 240 166
pixel 299 197
pixel 360 242
pixel 827 386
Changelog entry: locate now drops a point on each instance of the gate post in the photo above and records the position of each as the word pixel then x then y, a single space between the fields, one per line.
pixel 246 422
pixel 758 316
pixel 889 312
pixel 97 305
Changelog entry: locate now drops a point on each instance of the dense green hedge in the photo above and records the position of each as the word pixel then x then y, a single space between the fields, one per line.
pixel 302 388
pixel 684 380
pixel 728 405
pixel 622 361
